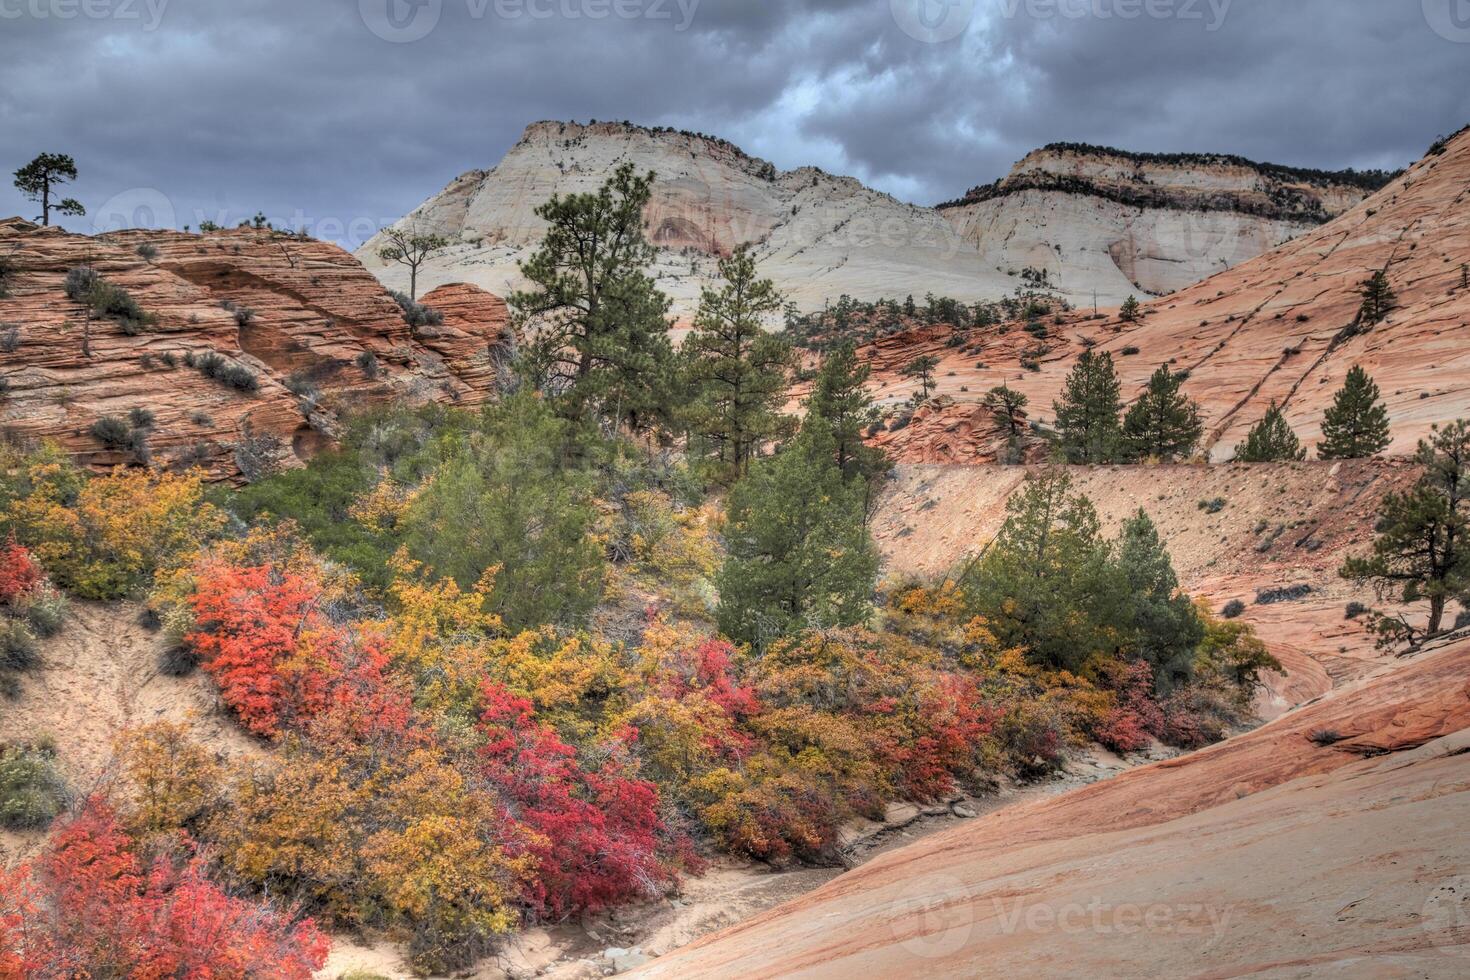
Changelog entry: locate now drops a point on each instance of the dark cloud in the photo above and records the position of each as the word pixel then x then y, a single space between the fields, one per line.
pixel 297 108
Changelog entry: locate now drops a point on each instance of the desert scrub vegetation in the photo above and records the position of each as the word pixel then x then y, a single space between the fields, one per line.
pixel 217 367
pixel 416 314
pixel 471 734
pixel 30 608
pixel 106 300
pixel 31 791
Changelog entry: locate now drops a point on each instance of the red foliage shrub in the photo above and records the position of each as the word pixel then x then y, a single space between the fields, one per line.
pixel 1137 718
pixel 91 909
pixel 279 662
pixel 1122 731
pixel 253 622
pixel 19 573
pixel 598 828
pixel 951 720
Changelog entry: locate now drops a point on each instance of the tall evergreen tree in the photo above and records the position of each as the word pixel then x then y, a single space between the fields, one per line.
pixel 1271 441
pixel 1088 413
pixel 1037 584
pixel 798 553
pixel 39 179
pixel 597 325
pixel 1378 299
pixel 1422 552
pixel 1131 310
pixel 1163 424
pixel 1154 621
pixel 840 399
pixel 737 371
pixel 1356 426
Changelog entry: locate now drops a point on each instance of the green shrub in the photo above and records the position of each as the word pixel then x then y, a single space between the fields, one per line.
pixel 31 791
pixel 44 608
pixel 18 648
pixel 1234 609
pixel 416 314
pixel 112 432
pixel 231 375
pixel 80 282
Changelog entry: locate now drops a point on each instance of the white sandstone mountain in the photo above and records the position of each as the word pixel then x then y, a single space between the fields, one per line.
pixel 1101 223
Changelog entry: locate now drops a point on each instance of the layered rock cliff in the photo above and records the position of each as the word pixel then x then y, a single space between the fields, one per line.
pixel 821 236
pixel 318 335
pixel 1161 222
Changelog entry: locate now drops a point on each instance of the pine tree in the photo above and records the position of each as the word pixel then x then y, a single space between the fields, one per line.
pixel 1163 424
pixel 1356 426
pixel 1008 407
pixel 411 248
pixel 840 399
pixel 1154 621
pixel 1038 583
pixel 1271 441
pixel 39 179
pixel 1131 311
pixel 736 370
pixel 599 323
pixel 922 368
pixel 798 551
pixel 1088 414
pixel 1422 551
pixel 1378 299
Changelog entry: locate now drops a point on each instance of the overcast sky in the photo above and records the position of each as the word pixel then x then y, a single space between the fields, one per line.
pixel 350 112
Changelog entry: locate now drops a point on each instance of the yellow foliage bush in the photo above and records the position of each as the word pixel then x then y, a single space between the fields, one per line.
pixel 105 537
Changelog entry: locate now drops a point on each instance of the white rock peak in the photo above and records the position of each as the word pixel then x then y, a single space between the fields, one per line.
pixel 1103 224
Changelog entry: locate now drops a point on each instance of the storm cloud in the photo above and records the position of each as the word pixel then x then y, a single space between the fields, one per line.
pixel 341 114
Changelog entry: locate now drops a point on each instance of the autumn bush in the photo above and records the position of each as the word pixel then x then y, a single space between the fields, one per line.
pixel 19 573
pixel 596 829
pixel 93 906
pixel 104 537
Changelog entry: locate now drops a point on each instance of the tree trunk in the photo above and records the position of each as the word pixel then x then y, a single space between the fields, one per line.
pixel 1436 614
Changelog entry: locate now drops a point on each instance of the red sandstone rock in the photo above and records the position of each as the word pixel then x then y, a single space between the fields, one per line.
pixel 314 312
